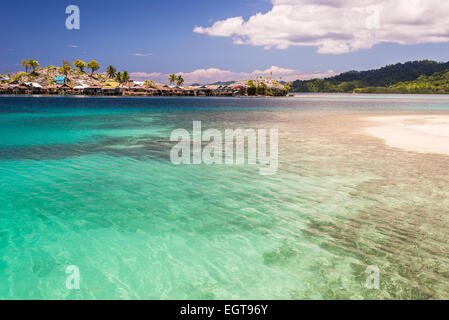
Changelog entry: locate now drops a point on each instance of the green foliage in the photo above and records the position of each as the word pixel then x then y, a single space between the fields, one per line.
pixel 373 79
pixel 180 80
pixel 252 91
pixel 111 72
pixel 79 64
pixel 437 83
pixel 251 84
pixel 19 76
pixel 262 88
pixel 172 78
pixel 66 68
pixel 122 77
pixel 125 76
pixel 32 63
pixel 149 84
pixel 276 83
pixel 118 77
pixel 4 76
pixel 252 88
pixel 94 66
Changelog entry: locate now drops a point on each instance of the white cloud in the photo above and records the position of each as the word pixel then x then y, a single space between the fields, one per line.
pixel 339 26
pixel 211 75
pixel 140 54
pixel 73 46
pixel 144 75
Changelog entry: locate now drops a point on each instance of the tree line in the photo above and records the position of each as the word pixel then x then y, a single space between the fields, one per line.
pixel 93 65
pixel 383 77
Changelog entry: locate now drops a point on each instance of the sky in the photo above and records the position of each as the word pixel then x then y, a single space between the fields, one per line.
pixel 211 40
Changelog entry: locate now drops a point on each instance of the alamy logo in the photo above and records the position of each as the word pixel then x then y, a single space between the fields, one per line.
pixel 372 22
pixel 73 20
pixel 373 280
pixel 189 149
pixel 73 280
pixel 371 16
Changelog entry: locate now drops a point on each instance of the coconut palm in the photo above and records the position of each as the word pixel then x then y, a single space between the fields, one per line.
pixel 125 76
pixel 118 77
pixel 173 78
pixel 179 80
pixel 111 71
pixel 94 66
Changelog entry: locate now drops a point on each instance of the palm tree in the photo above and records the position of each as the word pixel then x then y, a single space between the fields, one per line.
pixel 173 78
pixel 125 76
pixel 179 80
pixel 118 77
pixel 26 65
pixel 94 66
pixel 111 71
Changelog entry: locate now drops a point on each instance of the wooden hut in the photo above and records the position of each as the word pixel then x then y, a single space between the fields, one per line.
pixel 65 89
pixel 5 89
pixel 93 90
pixel 36 88
pixel 139 90
pixel 21 89
pixel 111 88
pixel 52 89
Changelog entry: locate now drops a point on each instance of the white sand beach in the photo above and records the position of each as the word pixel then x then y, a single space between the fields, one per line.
pixel 417 133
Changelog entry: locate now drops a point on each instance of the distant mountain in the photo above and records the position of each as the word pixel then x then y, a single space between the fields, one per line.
pixel 383 77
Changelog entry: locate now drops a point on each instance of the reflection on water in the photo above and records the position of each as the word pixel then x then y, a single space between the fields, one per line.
pixel 88 182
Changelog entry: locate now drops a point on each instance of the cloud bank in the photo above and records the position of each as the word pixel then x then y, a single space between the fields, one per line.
pixel 338 26
pixel 211 75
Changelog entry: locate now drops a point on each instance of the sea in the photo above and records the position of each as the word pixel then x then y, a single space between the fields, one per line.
pixel 92 207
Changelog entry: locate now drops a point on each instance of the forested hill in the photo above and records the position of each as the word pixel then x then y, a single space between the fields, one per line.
pixel 382 77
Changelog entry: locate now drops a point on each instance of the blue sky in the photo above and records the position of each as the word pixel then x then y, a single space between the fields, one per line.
pixel 162 35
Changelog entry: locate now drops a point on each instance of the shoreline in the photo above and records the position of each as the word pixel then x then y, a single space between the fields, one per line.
pixel 136 96
pixel 155 93
pixel 421 133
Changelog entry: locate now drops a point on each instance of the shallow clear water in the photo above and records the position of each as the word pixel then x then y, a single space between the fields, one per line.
pixel 89 182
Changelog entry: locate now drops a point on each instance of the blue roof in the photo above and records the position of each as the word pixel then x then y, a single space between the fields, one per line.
pixel 60 78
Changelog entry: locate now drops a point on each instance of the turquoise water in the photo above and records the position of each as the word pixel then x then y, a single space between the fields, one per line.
pixel 89 182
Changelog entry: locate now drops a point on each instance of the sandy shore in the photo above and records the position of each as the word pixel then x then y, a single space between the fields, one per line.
pixel 417 133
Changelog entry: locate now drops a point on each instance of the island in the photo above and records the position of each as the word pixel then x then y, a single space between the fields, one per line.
pixel 68 80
